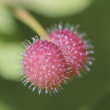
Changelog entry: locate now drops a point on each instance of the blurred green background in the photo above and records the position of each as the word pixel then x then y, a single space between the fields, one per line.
pixel 92 91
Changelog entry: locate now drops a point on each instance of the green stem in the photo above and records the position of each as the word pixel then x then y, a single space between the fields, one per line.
pixel 30 21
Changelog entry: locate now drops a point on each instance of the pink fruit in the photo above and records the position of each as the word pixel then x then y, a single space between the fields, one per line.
pixel 48 64
pixel 73 48
pixel 44 66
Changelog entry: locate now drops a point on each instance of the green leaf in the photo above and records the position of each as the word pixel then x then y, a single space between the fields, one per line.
pixel 52 8
pixel 7 23
pixel 9 60
pixel 58 8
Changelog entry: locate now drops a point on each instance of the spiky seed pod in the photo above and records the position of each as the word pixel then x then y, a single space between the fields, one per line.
pixel 44 66
pixel 74 48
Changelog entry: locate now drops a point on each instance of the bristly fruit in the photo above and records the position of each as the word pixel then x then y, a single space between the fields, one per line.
pixel 74 48
pixel 49 64
pixel 44 66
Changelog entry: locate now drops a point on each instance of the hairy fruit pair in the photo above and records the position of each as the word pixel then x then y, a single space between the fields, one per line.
pixel 48 64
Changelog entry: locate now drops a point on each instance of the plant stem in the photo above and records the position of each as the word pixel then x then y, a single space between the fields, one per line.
pixel 30 21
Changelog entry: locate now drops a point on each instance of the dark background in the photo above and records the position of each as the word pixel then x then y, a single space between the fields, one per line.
pixel 91 92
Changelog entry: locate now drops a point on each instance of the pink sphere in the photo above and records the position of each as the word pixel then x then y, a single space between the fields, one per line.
pixel 72 47
pixel 44 65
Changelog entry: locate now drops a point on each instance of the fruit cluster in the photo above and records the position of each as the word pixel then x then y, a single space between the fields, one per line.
pixel 48 64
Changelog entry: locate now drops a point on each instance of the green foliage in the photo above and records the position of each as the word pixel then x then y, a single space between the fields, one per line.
pixel 7 23
pixel 9 60
pixel 52 8
pixel 57 8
